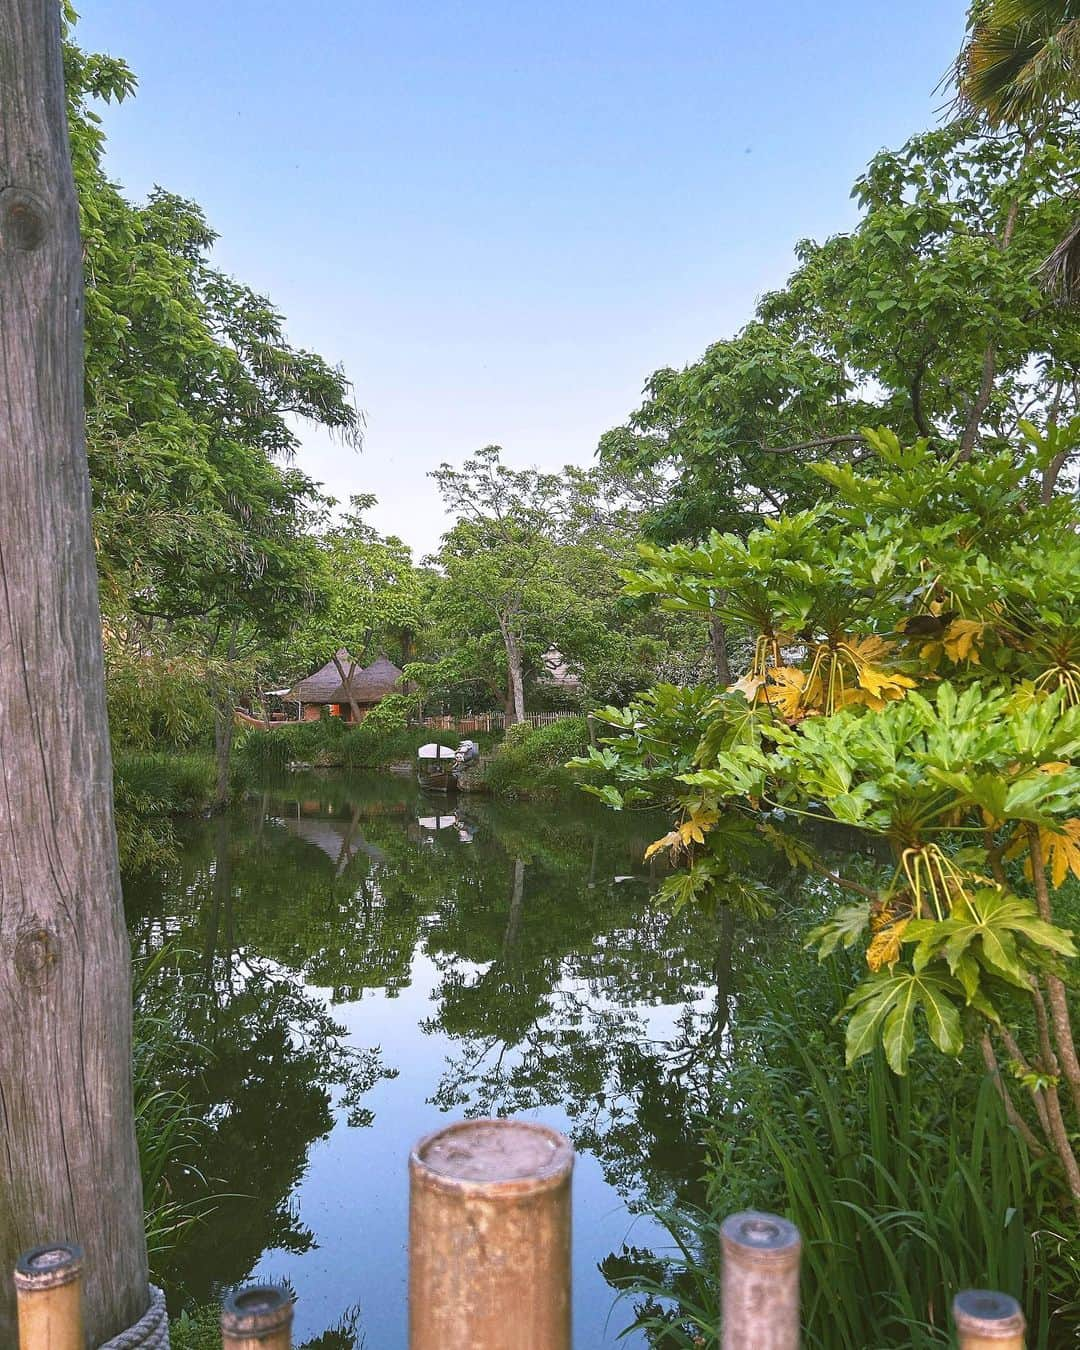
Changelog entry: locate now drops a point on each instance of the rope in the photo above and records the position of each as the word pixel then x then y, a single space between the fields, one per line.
pixel 150 1332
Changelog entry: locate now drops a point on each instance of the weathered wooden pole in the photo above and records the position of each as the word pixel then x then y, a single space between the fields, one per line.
pixel 489 1238
pixel 257 1318
pixel 760 1283
pixel 68 1163
pixel 48 1292
pixel 986 1320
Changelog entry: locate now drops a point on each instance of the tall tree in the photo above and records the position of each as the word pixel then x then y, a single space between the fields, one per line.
pixel 68 1169
pixel 502 559
pixel 1020 66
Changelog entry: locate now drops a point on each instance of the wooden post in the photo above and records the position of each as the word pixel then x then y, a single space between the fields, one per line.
pixel 986 1320
pixel 489 1238
pixel 760 1285
pixel 258 1317
pixel 48 1292
pixel 69 1163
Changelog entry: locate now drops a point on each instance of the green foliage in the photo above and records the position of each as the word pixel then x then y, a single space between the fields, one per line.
pixel 532 762
pixel 196 1328
pixel 890 324
pixel 150 790
pixel 915 678
pixel 380 739
pixel 1019 63
pixel 905 1189
pixel 168 1131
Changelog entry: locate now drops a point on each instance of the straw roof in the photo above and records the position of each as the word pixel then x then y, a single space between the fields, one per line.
pixel 369 685
pixel 318 687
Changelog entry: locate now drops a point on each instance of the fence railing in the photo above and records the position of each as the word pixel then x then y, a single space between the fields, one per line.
pixel 494 721
pixel 489 1263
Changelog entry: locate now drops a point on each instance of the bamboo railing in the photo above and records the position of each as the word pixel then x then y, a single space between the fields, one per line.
pixel 489 1263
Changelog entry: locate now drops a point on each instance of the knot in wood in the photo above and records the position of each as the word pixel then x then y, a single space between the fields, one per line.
pixel 36 954
pixel 23 220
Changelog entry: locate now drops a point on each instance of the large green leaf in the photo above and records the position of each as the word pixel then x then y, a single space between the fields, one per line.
pixel 994 928
pixel 884 1006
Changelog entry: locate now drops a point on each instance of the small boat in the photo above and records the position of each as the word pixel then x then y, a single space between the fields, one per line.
pixel 436 768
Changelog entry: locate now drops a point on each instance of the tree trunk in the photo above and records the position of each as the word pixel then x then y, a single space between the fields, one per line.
pixel 514 678
pixel 69 1168
pixel 223 739
pixel 718 642
pixel 346 680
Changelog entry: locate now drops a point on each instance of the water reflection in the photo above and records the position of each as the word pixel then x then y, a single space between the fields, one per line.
pixel 352 961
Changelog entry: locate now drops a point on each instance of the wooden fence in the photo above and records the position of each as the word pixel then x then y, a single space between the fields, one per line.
pixel 489 1264
pixel 492 721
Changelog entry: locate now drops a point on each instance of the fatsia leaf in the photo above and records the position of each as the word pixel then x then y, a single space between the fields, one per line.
pixel 961 638
pixel 885 1004
pixel 1062 851
pixel 844 927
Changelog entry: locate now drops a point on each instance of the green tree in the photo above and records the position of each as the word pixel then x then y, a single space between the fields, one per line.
pixel 192 393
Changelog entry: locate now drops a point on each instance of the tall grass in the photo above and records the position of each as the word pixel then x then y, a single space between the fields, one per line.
pixel 905 1190
pixel 168 1132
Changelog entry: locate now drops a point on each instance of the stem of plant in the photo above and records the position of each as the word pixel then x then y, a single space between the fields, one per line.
pixel 1059 1005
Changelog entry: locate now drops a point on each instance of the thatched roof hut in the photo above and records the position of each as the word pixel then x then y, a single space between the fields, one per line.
pixel 370 685
pixel 318 687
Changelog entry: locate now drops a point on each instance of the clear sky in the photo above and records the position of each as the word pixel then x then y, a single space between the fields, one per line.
pixel 502 217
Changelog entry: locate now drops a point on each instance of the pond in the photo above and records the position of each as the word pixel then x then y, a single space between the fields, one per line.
pixel 352 964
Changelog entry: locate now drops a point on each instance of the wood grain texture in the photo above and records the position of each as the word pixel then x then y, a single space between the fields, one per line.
pixel 68 1162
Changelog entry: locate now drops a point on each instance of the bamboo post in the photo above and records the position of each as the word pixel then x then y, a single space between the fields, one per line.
pixel 48 1293
pixel 258 1317
pixel 987 1320
pixel 760 1285
pixel 489 1238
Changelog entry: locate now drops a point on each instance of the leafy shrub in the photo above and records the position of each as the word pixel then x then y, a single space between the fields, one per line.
pixel 149 790
pixel 155 702
pixel 904 1189
pixel 380 739
pixel 532 762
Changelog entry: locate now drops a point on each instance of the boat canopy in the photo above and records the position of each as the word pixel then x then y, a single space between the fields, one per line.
pixel 434 751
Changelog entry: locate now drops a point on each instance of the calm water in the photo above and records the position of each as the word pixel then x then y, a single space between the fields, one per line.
pixel 356 964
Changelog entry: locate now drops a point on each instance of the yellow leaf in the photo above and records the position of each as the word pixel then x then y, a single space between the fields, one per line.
pixel 868 649
pixel 1062 851
pixel 884 950
pixel 960 638
pixel 786 692
pixel 748 686
pixel 693 830
pixel 884 684
pixel 673 839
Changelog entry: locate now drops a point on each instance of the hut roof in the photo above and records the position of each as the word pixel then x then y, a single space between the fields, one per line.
pixel 318 687
pixel 369 685
pixel 557 672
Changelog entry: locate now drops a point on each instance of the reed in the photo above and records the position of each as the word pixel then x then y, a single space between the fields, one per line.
pixel 905 1190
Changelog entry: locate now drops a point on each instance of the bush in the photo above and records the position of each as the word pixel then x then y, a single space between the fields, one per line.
pixel 904 1189
pixel 380 739
pixel 149 790
pixel 531 762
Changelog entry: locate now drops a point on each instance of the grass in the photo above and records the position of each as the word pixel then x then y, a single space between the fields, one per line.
pixel 330 742
pixel 905 1191
pixel 167 1131
pixel 151 789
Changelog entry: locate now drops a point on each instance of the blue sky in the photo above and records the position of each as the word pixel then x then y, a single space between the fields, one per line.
pixel 499 217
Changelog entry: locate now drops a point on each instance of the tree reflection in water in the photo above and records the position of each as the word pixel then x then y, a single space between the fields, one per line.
pixel 558 986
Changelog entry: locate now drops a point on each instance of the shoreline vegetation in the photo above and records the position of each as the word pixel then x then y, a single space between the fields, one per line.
pixel 154 788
